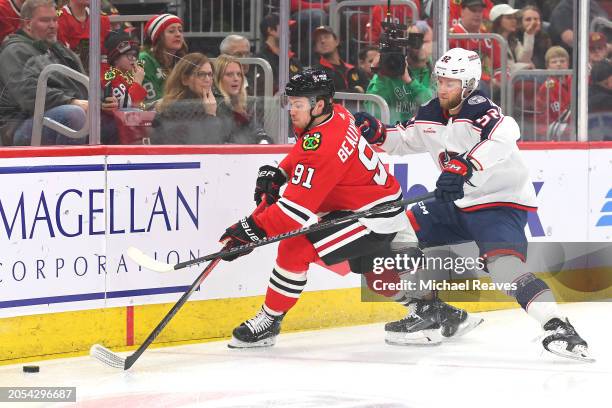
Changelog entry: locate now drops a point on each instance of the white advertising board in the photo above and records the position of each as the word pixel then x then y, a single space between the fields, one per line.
pixel 66 222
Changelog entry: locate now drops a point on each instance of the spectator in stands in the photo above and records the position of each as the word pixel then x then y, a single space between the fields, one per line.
pixel 531 38
pixel 10 12
pixel 239 47
pixel 397 87
pixel 270 50
pixel 123 80
pixel 73 29
pixel 562 23
pixel 368 58
pixel 598 48
pixel 600 101
pixel 187 114
pixel 456 12
pixel 23 56
pixel 472 22
pixel 347 78
pixel 237 111
pixel 554 95
pixel 164 47
pixel 419 59
pixel 309 15
pixel 504 19
pixel 600 91
pixel 545 7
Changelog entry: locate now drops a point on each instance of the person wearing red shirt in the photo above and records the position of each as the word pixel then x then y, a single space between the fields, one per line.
pixel 330 172
pixel 471 22
pixel 456 9
pixel 10 17
pixel 555 94
pixel 73 29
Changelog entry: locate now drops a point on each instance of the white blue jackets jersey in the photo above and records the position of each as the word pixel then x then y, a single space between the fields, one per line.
pixel 486 136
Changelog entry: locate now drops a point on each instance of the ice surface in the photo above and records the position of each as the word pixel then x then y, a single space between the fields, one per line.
pixel 497 365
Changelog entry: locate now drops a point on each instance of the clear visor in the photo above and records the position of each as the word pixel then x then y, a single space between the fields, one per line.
pixel 300 103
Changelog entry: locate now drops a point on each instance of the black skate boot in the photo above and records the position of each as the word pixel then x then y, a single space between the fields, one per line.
pixel 259 331
pixel 428 323
pixel 561 339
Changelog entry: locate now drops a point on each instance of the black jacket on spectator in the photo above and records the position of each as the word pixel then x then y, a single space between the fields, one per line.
pixel 600 99
pixel 346 77
pixel 267 54
pixel 562 17
pixel 21 61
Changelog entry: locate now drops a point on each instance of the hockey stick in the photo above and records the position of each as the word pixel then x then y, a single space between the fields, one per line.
pixel 152 264
pixel 114 360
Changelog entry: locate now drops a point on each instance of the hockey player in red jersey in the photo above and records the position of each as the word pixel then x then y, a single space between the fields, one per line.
pixel 329 171
pixel 483 193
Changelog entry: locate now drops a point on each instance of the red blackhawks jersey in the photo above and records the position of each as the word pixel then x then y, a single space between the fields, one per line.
pixel 71 31
pixel 130 94
pixel 555 96
pixel 9 18
pixel 332 168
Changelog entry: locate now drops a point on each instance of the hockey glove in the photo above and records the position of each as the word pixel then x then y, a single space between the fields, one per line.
pixel 449 186
pixel 371 128
pixel 269 181
pixel 243 232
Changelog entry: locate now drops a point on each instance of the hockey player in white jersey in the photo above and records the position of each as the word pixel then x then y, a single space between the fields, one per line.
pixel 483 193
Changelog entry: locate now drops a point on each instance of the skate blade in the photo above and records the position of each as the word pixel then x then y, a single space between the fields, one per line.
pixel 429 337
pixel 470 324
pixel 238 344
pixel 579 353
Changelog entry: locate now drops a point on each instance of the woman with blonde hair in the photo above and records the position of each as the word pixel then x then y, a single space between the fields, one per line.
pixel 237 110
pixel 187 114
pixel 164 46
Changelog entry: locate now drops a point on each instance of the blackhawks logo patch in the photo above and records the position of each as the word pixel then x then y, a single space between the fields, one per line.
pixel 311 142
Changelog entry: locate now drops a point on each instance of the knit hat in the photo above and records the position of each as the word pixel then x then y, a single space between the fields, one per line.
pixel 156 25
pixel 118 43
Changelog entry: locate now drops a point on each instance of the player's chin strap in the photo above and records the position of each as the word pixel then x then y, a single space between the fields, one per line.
pixel 327 110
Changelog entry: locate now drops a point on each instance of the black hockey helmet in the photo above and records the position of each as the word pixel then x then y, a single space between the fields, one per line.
pixel 310 83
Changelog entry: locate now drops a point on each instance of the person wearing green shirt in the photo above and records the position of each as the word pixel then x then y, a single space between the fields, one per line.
pixel 403 94
pixel 164 46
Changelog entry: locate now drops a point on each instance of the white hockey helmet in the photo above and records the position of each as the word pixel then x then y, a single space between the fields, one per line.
pixel 459 63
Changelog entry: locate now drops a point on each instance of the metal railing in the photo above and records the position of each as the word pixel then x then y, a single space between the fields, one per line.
pixel 385 113
pixel 39 106
pixel 503 64
pixel 206 18
pixel 269 103
pixel 340 10
pixel 532 110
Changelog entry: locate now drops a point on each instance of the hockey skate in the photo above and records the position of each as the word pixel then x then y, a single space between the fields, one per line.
pixel 429 322
pixel 259 331
pixel 561 339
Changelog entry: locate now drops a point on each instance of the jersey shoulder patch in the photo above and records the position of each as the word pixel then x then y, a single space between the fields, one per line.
pixel 476 107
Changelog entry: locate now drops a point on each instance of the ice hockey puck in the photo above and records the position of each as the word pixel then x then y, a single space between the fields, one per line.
pixel 31 369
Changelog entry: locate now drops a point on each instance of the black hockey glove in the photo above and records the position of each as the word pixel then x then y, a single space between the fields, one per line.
pixel 449 186
pixel 243 232
pixel 371 128
pixel 269 181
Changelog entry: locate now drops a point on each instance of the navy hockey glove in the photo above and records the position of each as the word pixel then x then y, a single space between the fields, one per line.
pixel 243 232
pixel 371 128
pixel 449 186
pixel 269 181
